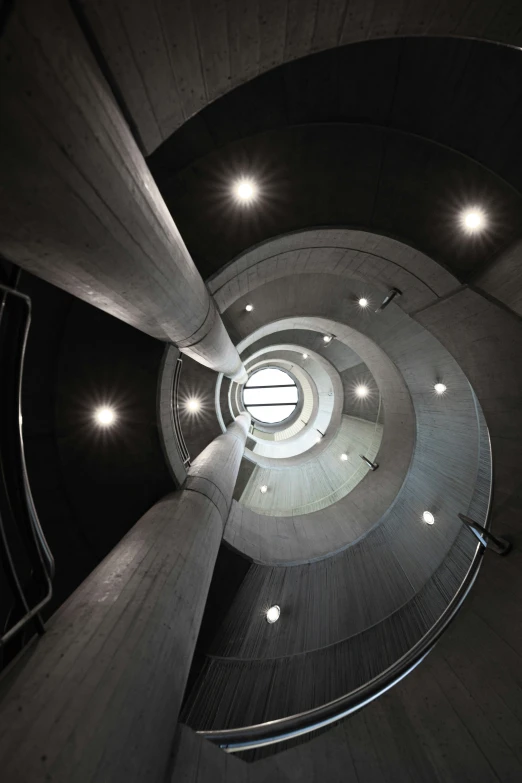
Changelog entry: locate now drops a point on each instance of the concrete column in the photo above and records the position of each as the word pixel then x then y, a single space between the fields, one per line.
pixel 78 205
pixel 97 698
pixel 502 279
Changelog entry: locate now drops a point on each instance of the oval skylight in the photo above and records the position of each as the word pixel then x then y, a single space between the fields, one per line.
pixel 270 395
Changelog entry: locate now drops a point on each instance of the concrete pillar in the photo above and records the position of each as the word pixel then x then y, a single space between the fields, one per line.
pixel 78 205
pixel 97 698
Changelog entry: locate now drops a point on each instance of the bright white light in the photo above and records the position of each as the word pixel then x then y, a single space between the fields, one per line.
pixel 245 190
pixel 193 405
pixel 272 616
pixel 105 416
pixel 363 302
pixel 263 489
pixel 428 517
pixel 275 397
pixel 440 388
pixel 305 356
pixel 344 457
pixel 249 308
pixel 473 220
pixel 361 391
pixel 327 338
pixel 319 438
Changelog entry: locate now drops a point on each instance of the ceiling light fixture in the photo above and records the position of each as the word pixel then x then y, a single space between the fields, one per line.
pixel 327 338
pixel 305 356
pixel 473 220
pixel 193 405
pixel 105 416
pixel 245 190
pixel 361 391
pixel 363 302
pixel 263 489
pixel 249 308
pixel 428 517
pixel 344 457
pixel 440 388
pixel 273 614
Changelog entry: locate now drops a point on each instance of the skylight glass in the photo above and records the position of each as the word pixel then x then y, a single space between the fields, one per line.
pixel 270 395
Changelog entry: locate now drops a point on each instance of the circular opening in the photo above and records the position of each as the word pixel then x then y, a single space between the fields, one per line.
pixel 270 395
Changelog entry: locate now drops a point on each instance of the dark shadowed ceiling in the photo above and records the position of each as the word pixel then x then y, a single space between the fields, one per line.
pixel 394 136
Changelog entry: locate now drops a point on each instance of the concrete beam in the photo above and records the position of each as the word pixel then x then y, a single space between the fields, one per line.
pixel 98 697
pixel 79 207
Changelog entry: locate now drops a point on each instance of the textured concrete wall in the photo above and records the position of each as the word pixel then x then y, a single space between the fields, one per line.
pixel 320 480
pixel 170 63
pixel 446 450
pixel 456 718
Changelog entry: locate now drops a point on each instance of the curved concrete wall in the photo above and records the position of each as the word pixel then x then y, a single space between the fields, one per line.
pixel 171 63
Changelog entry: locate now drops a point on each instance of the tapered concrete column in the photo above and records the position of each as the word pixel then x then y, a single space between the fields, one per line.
pixel 97 698
pixel 78 205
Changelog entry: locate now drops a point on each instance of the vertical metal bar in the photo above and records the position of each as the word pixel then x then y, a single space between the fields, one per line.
pixel 40 544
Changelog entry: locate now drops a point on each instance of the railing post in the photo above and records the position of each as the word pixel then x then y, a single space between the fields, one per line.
pixel 499 545
pixel 371 465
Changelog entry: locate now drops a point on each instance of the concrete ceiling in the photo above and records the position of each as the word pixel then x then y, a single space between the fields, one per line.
pixel 169 64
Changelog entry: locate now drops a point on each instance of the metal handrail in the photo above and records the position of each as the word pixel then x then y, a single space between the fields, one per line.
pixel 42 548
pixel 184 453
pixel 294 726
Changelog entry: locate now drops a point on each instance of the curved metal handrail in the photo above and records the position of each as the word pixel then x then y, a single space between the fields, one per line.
pixel 184 453
pixel 294 726
pixel 44 553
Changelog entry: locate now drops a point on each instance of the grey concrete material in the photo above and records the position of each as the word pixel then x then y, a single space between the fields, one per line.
pixel 201 52
pixel 97 697
pixel 420 279
pixel 254 681
pixel 339 355
pixel 503 278
pixel 318 482
pixel 215 470
pixel 456 717
pixel 364 176
pixel 109 675
pixel 168 437
pixel 318 534
pixel 80 208
pixel 486 341
pixel 455 84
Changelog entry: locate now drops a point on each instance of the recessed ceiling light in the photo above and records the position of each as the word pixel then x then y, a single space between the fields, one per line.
pixel 105 416
pixel 440 388
pixel 344 457
pixel 245 190
pixel 361 390
pixel 428 517
pixel 363 302
pixel 327 338
pixel 249 308
pixel 263 488
pixel 193 405
pixel 305 356
pixel 273 614
pixel 473 220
